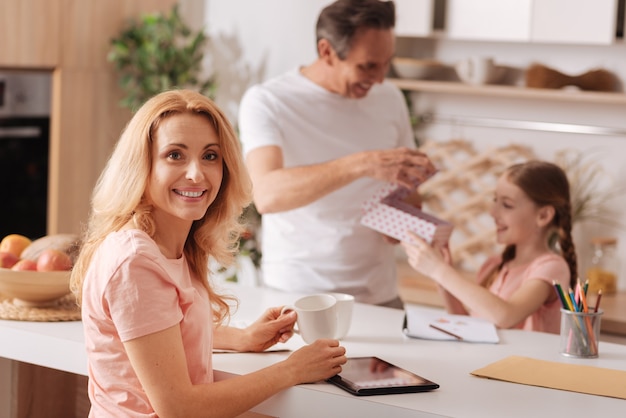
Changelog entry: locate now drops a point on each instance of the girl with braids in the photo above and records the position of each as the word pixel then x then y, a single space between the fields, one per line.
pixel 171 194
pixel 514 289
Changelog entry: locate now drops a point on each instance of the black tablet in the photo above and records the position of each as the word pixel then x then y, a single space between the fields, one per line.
pixel 363 376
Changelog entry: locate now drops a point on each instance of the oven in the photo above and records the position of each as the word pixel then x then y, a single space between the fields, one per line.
pixel 24 152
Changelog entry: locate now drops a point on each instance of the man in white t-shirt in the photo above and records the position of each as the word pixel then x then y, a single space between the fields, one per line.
pixel 319 141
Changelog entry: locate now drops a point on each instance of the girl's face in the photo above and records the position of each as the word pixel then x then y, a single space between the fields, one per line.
pixel 187 170
pixel 515 214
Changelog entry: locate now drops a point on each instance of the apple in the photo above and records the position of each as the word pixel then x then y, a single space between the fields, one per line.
pixel 53 260
pixel 7 259
pixel 14 244
pixel 25 264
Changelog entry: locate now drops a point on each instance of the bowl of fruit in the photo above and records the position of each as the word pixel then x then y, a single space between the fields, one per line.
pixel 36 273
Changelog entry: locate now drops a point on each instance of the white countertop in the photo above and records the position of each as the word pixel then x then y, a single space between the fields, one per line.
pixel 375 331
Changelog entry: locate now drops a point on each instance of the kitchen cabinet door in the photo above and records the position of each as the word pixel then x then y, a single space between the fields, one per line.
pixel 489 20
pixel 554 21
pixel 574 21
pixel 29 33
pixel 414 17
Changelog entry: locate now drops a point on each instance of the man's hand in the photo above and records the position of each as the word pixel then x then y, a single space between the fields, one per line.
pixel 405 166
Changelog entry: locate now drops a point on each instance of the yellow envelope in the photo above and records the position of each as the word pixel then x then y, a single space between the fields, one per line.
pixel 549 374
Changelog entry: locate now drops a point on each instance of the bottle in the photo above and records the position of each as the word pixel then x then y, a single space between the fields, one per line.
pixel 602 272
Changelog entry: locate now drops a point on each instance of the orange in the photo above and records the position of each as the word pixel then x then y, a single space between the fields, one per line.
pixel 14 244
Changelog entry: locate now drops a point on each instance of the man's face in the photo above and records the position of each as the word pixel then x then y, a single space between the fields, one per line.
pixel 367 62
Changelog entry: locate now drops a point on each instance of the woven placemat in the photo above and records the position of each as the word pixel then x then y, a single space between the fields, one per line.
pixel 63 309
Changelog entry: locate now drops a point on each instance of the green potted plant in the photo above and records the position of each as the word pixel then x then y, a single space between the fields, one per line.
pixel 159 52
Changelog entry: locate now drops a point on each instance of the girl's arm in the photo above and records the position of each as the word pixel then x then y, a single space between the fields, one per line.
pixel 452 304
pixel 488 271
pixel 159 361
pixel 476 298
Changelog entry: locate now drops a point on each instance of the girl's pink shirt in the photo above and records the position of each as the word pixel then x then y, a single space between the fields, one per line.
pixel 132 290
pixel 547 267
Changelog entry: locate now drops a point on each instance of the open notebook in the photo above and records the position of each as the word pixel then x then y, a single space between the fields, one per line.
pixel 436 324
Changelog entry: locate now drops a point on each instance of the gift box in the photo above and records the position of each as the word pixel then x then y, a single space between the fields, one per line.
pixel 388 212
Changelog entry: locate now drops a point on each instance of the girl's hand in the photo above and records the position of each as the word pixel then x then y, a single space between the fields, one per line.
pixel 269 329
pixel 424 258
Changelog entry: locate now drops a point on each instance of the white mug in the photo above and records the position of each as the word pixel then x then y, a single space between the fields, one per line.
pixel 477 70
pixel 317 317
pixel 345 305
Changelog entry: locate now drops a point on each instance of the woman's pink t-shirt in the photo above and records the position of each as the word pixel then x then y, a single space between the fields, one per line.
pixel 548 267
pixel 132 290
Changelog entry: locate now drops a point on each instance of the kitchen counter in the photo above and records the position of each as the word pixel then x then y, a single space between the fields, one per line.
pixel 375 331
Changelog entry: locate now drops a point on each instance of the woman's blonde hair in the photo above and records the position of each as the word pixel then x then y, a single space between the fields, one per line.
pixel 119 194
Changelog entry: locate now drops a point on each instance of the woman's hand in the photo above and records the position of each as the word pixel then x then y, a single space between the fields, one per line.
pixel 271 328
pixel 317 361
pixel 425 259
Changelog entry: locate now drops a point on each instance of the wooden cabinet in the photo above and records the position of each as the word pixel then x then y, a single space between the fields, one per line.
pixel 86 119
pixel 29 33
pixel 414 17
pixel 548 21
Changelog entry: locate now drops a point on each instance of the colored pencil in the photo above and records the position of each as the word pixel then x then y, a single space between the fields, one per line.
pixel 591 335
pixel 583 300
pixel 559 293
pixel 598 299
pixel 573 304
pixel 458 337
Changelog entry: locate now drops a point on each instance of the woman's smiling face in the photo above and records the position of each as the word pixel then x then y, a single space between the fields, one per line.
pixel 187 168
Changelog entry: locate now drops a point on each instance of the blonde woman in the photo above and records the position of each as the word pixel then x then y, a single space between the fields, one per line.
pixel 170 196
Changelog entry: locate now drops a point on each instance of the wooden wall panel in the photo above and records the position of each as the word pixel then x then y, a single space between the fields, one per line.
pixel 73 136
pixel 29 33
pixel 86 118
pixel 44 392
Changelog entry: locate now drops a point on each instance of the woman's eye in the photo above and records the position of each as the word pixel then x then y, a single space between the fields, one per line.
pixel 174 155
pixel 211 156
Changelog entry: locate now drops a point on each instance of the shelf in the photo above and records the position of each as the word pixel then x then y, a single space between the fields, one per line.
pixel 513 92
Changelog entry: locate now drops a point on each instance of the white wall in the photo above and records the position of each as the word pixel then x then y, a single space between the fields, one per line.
pixel 255 40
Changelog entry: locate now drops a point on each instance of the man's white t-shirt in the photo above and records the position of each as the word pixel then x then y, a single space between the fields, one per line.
pixel 322 247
